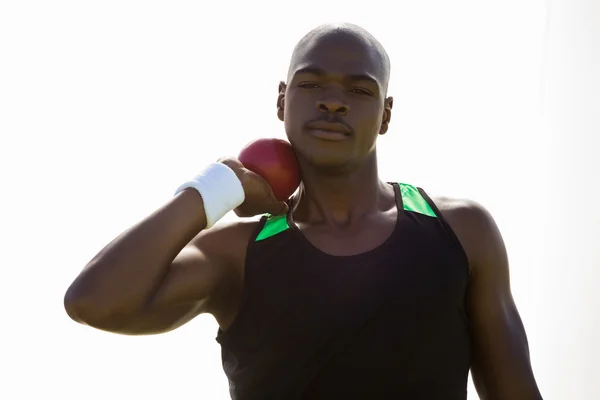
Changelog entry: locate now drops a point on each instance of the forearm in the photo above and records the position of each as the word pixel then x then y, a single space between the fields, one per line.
pixel 123 276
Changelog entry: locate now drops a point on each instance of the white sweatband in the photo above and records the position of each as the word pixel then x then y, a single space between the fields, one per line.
pixel 221 191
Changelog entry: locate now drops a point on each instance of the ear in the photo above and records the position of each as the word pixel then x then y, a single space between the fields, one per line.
pixel 387 115
pixel 281 100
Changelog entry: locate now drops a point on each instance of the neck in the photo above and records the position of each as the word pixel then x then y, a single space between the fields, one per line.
pixel 339 199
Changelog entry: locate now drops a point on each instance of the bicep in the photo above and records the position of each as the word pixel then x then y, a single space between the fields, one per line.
pixel 200 280
pixel 181 295
pixel 501 366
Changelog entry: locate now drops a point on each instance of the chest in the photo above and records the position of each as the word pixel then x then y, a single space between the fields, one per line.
pixel 304 312
pixel 290 285
pixel 354 238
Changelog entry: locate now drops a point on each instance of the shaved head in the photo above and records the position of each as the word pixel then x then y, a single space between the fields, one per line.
pixel 337 80
pixel 344 31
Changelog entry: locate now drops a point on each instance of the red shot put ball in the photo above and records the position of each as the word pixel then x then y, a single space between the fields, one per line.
pixel 275 161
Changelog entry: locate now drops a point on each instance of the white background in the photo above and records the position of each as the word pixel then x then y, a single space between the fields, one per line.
pixel 106 107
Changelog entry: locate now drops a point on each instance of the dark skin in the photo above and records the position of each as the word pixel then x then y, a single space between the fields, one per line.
pixel 168 269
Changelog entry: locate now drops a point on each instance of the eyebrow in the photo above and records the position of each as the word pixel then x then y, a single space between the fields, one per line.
pixel 352 77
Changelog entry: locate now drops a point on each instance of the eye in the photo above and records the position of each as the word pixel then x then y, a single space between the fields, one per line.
pixel 308 85
pixel 362 91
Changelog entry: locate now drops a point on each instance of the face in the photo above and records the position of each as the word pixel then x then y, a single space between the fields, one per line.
pixel 333 105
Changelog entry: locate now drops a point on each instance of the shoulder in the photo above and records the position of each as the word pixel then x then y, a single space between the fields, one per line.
pixel 462 211
pixel 228 241
pixel 474 227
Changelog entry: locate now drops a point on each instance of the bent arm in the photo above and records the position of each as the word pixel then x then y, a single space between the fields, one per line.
pixel 122 280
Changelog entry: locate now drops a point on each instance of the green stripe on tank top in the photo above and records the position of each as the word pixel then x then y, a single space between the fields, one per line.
pixel 273 226
pixel 411 198
pixel 414 201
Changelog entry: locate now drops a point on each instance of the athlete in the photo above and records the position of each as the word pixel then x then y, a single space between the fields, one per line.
pixel 354 288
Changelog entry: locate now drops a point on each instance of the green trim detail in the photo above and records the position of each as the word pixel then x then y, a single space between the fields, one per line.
pixel 411 199
pixel 272 227
pixel 414 201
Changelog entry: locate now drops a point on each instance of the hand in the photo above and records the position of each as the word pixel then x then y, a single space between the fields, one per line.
pixel 259 195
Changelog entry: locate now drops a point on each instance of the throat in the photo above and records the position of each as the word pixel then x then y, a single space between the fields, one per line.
pixel 350 236
pixel 342 220
pixel 347 228
pixel 342 207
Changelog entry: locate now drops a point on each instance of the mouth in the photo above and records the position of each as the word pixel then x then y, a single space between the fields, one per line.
pixel 333 131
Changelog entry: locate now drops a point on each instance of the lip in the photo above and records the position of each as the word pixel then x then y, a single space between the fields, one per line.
pixel 333 127
pixel 328 135
pixel 333 131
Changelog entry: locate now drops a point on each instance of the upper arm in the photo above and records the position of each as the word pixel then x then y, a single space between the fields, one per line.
pixel 501 367
pixel 203 268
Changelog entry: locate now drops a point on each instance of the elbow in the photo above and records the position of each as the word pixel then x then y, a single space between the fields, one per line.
pixel 86 311
pixel 80 309
pixel 71 307
pixel 75 306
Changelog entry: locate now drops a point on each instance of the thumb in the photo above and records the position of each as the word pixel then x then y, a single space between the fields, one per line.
pixel 276 206
pixel 279 208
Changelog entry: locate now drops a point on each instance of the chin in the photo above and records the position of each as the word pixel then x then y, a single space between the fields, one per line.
pixel 322 155
pixel 327 162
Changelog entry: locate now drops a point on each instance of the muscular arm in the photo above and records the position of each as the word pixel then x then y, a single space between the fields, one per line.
pixel 501 367
pixel 159 274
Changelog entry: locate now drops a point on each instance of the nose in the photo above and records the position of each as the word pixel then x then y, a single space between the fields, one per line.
pixel 333 106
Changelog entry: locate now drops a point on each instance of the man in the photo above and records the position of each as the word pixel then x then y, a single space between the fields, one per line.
pixel 354 288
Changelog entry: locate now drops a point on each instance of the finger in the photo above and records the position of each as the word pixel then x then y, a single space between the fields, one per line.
pixel 240 213
pixel 231 162
pixel 279 208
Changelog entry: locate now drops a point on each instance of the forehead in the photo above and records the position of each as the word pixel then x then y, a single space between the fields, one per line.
pixel 338 54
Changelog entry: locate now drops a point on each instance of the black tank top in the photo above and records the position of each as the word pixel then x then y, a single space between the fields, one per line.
pixel 389 323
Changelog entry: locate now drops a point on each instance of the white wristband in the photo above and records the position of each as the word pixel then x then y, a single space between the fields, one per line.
pixel 221 191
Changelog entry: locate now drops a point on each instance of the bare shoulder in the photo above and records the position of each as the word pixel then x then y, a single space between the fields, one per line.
pixel 473 225
pixel 225 246
pixel 227 241
pixel 460 209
